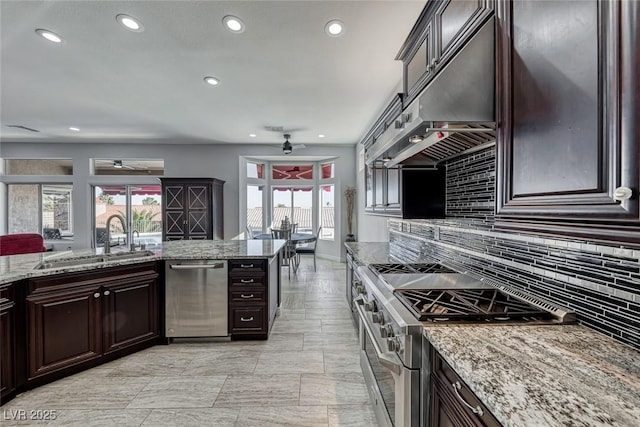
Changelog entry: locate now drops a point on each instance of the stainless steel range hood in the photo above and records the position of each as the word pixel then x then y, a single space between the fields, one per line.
pixel 454 113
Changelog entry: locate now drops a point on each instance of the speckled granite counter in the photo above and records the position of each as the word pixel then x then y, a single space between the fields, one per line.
pixel 370 252
pixel 545 375
pixel 17 267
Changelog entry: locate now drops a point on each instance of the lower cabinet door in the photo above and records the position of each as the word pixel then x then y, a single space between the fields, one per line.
pixel 130 313
pixel 248 319
pixel 64 329
pixel 7 349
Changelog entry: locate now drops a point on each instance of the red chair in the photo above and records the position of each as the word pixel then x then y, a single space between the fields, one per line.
pixel 25 243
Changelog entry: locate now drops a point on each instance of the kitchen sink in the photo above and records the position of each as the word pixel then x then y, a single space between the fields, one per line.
pixel 91 259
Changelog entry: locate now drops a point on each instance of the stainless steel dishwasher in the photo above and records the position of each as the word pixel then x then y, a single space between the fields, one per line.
pixel 196 298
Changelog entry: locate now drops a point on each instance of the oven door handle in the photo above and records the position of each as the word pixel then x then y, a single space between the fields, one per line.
pixel 387 359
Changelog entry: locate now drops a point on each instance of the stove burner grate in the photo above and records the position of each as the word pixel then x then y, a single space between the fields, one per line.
pixel 410 268
pixel 469 305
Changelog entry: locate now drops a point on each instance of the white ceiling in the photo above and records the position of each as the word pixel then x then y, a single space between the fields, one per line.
pixel 118 85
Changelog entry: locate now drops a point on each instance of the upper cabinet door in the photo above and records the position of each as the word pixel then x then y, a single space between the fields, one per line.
pixel 456 22
pixel 568 109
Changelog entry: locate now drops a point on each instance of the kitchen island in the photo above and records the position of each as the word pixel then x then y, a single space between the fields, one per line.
pixel 64 312
pixel 18 267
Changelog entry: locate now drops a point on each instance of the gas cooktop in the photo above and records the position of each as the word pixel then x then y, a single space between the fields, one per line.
pixel 471 305
pixel 409 268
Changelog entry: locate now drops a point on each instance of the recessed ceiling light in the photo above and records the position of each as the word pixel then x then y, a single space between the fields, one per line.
pixel 233 24
pixel 52 37
pixel 320 135
pixel 212 81
pixel 334 28
pixel 75 129
pixel 252 135
pixel 130 23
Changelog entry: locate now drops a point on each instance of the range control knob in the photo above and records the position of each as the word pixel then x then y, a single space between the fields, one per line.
pixel 386 331
pixel 393 344
pixel 360 289
pixel 370 306
pixel 378 318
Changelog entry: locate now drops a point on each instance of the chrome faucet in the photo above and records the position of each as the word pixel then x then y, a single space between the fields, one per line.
pixel 133 240
pixel 107 245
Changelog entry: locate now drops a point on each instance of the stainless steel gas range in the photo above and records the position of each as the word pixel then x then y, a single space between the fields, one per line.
pixel 393 302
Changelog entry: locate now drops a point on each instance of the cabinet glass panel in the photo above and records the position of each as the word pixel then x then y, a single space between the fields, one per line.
pixel 393 186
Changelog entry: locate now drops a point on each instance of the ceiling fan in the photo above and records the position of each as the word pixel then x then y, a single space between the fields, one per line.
pixel 119 164
pixel 287 147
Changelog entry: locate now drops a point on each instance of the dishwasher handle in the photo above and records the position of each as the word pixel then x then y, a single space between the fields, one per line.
pixel 196 266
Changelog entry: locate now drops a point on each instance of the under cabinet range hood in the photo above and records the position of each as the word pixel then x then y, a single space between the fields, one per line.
pixel 454 113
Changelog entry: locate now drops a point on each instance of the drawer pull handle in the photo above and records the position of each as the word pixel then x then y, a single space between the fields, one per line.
pixel 246 280
pixel 246 265
pixel 477 410
pixel 250 319
pixel 246 296
pixel 96 295
pixel 106 293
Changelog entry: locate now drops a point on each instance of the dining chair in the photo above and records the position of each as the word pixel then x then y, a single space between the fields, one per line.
pixel 289 254
pixel 311 249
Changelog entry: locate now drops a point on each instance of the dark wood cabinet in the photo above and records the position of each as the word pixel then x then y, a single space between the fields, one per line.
pixel 64 328
pixel 192 209
pixel 568 109
pixel 253 297
pixel 7 341
pixel 382 190
pixel 131 312
pixel 443 28
pixel 407 192
pixel 78 320
pixel 452 402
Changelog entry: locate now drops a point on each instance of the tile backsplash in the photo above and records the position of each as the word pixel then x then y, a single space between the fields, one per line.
pixel 600 283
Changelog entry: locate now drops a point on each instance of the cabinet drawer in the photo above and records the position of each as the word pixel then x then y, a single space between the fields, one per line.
pixel 247 296
pixel 449 380
pixel 248 319
pixel 251 280
pixel 249 265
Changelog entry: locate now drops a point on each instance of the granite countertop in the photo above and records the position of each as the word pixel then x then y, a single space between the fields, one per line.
pixel 18 267
pixel 370 252
pixel 545 375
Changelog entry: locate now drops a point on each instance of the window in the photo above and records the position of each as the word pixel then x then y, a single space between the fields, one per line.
pixel 255 170
pixel 298 172
pixel 142 202
pixel 296 203
pixel 152 167
pixel 41 208
pixel 327 212
pixel 39 167
pixel 254 208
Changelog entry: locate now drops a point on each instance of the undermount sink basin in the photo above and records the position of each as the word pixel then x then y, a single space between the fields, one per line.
pixel 91 259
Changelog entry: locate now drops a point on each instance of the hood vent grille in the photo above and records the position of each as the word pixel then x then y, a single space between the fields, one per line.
pixel 436 144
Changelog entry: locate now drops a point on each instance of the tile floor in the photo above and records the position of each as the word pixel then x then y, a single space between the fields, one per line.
pixel 306 374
